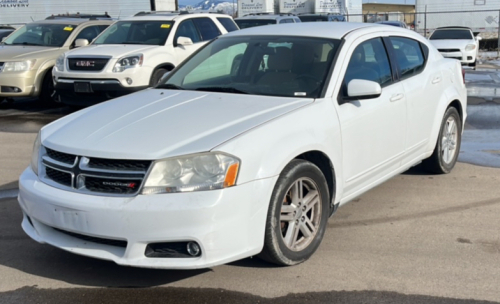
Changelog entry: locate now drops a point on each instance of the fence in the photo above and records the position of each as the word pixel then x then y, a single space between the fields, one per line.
pixel 482 22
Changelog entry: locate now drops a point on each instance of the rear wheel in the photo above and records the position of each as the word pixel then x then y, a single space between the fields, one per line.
pixel 297 216
pixel 448 144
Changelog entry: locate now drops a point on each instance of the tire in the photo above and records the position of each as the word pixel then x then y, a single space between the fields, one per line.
pixel 155 78
pixel 285 243
pixel 47 89
pixel 473 65
pixel 447 148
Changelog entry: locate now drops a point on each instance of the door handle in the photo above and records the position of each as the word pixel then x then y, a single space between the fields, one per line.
pixel 436 80
pixel 397 97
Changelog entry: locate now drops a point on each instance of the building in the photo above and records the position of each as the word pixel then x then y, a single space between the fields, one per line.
pixel 374 12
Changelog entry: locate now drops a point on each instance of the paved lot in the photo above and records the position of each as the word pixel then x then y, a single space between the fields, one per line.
pixel 418 238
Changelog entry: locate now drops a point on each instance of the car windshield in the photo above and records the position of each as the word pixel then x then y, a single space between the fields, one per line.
pixel 261 65
pixel 136 32
pixel 451 34
pixel 41 34
pixel 246 23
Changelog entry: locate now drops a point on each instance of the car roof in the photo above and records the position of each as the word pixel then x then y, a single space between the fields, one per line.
pixel 454 28
pixel 265 16
pixel 73 21
pixel 333 30
pixel 170 16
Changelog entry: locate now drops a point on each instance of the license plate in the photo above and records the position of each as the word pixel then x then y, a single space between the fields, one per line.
pixel 82 87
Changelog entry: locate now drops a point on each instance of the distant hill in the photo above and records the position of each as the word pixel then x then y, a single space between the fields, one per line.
pixel 223 6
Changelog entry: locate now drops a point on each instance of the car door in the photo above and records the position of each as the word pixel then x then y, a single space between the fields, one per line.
pixel 373 130
pixel 423 87
pixel 187 29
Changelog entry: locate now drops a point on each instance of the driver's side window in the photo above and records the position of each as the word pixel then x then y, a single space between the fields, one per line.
pixel 369 61
pixel 187 29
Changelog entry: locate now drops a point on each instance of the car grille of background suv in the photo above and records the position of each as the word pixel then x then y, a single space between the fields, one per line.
pixel 87 64
pixel 93 175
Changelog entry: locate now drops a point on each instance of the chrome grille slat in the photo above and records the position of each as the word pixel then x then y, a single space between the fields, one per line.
pixel 106 177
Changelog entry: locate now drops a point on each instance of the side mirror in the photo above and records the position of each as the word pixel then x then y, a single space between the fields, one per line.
pixel 81 42
pixel 363 89
pixel 478 38
pixel 184 41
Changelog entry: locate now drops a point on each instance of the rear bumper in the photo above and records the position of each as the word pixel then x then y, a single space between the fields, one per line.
pixel 86 92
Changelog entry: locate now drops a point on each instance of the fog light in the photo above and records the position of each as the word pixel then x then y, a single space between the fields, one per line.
pixel 193 249
pixel 129 80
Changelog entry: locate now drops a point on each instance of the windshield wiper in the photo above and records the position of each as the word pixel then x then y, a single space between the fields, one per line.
pixel 132 42
pixel 169 86
pixel 221 89
pixel 27 43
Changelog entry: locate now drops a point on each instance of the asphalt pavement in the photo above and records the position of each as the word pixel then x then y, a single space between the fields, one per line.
pixel 418 238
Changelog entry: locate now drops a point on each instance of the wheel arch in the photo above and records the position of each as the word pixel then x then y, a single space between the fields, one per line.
pixel 323 162
pixel 166 65
pixel 45 68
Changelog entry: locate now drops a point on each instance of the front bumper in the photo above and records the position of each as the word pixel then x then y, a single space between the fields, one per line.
pixel 98 91
pixel 465 57
pixel 18 84
pixel 228 224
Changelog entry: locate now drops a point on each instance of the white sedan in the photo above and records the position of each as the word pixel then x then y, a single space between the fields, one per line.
pixel 245 149
pixel 457 43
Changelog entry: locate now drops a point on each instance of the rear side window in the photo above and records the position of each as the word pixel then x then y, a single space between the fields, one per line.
pixel 409 56
pixel 228 24
pixel 207 28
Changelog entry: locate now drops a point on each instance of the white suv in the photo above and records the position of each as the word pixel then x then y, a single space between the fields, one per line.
pixel 133 54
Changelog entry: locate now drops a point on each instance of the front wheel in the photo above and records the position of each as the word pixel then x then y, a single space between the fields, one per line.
pixel 297 215
pixel 447 147
pixel 47 89
pixel 157 75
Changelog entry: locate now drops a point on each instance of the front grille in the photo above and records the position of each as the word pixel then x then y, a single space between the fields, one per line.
pixel 119 164
pixel 58 176
pixel 61 157
pixel 87 64
pixel 94 175
pixel 449 50
pixel 97 240
pixel 115 186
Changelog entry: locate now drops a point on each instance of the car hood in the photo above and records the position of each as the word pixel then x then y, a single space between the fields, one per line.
pixel 451 43
pixel 114 50
pixel 13 52
pixel 155 124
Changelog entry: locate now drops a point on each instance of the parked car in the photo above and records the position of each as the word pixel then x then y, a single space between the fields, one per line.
pixel 321 17
pixel 259 19
pixel 457 43
pixel 228 157
pixel 394 23
pixel 28 54
pixel 133 54
pixel 5 32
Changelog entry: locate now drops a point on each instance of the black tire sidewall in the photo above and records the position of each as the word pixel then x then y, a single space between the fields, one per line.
pixel 157 74
pixel 444 166
pixel 295 170
pixel 47 88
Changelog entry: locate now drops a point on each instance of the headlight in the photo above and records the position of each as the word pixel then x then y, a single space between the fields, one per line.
pixel 18 66
pixel 470 47
pixel 207 171
pixel 60 63
pixel 36 154
pixel 128 62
